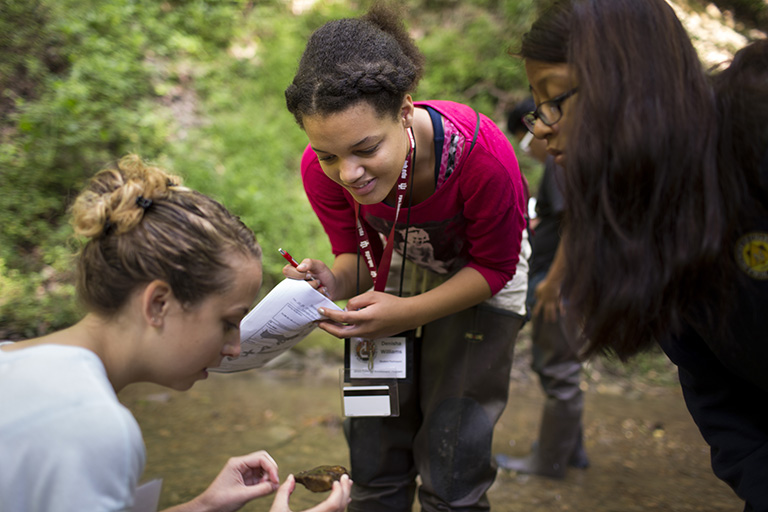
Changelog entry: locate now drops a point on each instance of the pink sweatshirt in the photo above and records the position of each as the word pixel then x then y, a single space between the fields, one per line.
pixel 474 218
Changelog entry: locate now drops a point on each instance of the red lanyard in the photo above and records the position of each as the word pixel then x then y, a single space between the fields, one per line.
pixel 362 236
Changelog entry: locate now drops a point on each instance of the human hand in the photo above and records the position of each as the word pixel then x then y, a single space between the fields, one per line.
pixel 241 480
pixel 548 301
pixel 337 501
pixel 315 272
pixel 370 315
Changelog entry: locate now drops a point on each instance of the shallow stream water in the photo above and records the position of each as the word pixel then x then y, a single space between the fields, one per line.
pixel 645 451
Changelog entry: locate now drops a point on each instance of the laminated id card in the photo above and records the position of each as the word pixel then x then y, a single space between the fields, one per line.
pixel 368 397
pixel 381 358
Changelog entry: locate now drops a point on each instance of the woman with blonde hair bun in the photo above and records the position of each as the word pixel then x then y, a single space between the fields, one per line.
pixel 166 274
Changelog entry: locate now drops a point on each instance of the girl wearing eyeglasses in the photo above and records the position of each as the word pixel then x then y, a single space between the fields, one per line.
pixel 666 176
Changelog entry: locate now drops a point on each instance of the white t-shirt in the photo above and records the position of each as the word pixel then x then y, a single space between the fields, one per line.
pixel 66 442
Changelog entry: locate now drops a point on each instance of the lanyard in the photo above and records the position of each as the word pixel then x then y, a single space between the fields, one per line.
pixel 362 236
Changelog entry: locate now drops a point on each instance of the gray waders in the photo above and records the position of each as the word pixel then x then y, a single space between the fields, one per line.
pixel 448 411
pixel 560 440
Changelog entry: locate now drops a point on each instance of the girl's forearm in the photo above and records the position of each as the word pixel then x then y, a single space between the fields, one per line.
pixel 465 289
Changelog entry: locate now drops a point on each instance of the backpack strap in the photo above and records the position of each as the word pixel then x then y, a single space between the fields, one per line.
pixel 474 137
pixel 437 126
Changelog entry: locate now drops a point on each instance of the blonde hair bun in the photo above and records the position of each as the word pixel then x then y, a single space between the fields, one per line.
pixel 115 199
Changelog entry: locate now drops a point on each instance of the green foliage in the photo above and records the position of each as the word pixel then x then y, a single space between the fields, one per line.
pixel 532 169
pixel 751 12
pixel 89 71
pixel 467 48
pixel 100 106
pixel 197 86
pixel 30 50
pixel 248 153
pixel 31 303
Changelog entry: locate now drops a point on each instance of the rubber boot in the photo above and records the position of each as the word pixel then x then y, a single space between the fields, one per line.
pixel 559 445
pixel 579 459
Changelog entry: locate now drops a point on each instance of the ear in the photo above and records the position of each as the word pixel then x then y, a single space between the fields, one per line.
pixel 407 111
pixel 155 302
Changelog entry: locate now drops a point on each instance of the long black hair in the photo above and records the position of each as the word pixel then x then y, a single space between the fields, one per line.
pixel 654 198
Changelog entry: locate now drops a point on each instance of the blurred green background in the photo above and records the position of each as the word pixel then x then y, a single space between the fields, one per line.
pixel 197 86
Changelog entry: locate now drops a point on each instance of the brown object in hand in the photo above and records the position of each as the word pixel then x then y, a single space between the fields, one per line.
pixel 321 478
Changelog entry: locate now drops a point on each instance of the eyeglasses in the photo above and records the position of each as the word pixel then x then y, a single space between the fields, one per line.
pixel 549 111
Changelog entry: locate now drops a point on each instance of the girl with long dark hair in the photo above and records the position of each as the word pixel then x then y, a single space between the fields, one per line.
pixel 666 174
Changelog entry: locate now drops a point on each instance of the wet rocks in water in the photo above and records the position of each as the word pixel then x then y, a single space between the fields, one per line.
pixel 321 478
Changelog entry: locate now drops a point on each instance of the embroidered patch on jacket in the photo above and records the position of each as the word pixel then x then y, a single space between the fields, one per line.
pixel 752 255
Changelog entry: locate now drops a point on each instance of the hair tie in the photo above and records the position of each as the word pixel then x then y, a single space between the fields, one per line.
pixel 143 202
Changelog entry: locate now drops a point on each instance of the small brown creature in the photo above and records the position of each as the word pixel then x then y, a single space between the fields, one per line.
pixel 321 478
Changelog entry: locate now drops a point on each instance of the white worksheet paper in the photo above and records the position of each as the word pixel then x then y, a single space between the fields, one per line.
pixel 147 496
pixel 282 319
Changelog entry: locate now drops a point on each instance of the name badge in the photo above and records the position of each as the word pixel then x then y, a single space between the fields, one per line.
pixel 382 358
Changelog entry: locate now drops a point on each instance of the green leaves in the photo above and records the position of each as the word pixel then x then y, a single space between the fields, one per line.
pixel 196 86
pixel 80 89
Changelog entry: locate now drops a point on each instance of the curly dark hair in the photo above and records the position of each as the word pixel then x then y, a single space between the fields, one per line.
pixel 371 58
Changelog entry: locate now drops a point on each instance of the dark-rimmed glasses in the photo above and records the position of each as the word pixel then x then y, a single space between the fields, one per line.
pixel 549 111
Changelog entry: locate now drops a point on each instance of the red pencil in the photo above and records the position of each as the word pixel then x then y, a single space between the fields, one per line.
pixel 289 258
